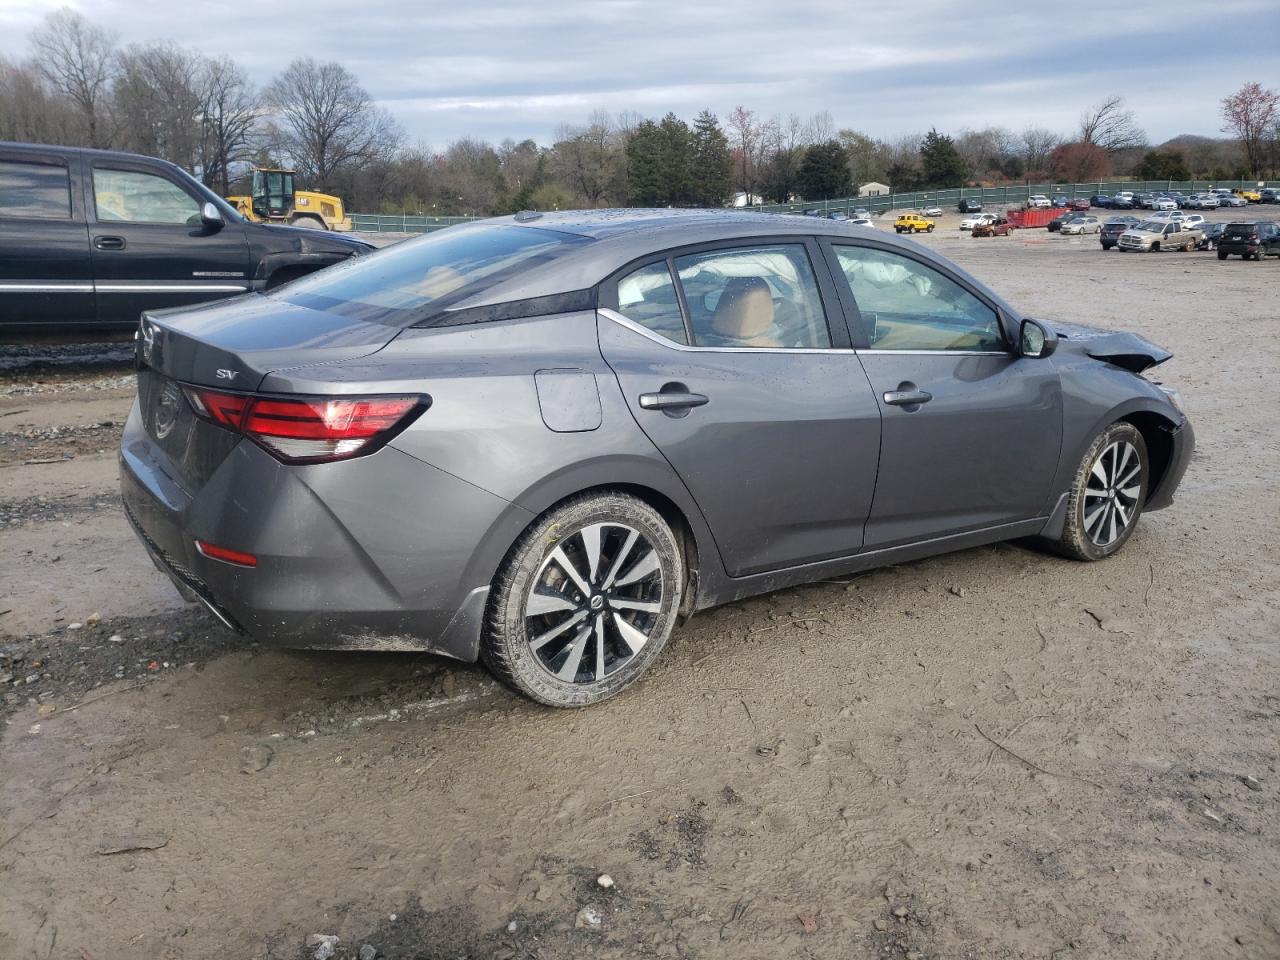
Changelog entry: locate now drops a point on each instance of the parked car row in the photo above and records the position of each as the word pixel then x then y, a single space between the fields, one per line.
pixel 1250 240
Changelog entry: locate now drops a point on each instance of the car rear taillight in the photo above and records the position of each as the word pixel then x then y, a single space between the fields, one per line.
pixel 309 429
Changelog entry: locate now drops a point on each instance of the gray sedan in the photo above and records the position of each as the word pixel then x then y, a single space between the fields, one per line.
pixel 544 440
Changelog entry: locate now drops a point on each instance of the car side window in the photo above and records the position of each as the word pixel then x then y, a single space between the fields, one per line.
pixel 37 190
pixel 130 196
pixel 648 297
pixel 907 305
pixel 764 297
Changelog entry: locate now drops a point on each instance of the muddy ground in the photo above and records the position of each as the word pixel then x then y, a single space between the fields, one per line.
pixel 991 754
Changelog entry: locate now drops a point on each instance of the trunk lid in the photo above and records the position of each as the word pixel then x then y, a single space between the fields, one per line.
pixel 234 344
pixel 231 345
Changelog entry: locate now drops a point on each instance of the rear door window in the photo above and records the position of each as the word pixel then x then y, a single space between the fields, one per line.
pixel 762 297
pixel 648 297
pixel 36 190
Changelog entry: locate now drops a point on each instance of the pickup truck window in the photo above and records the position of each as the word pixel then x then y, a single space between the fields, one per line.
pixel 39 190
pixel 134 197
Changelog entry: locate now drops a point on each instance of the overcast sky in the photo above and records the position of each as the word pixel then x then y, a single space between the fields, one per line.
pixel 497 68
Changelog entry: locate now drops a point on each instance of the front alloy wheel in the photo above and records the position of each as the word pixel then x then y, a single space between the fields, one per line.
pixel 585 600
pixel 1107 494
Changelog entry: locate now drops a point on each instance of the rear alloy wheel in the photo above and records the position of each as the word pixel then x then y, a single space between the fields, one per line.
pixel 1107 494
pixel 585 601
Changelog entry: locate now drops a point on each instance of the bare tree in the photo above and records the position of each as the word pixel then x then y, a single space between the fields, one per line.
pixel 744 144
pixel 330 122
pixel 156 101
pixel 1110 126
pixel 1037 144
pixel 30 111
pixel 1249 113
pixel 229 118
pixel 819 128
pixel 79 60
pixel 591 160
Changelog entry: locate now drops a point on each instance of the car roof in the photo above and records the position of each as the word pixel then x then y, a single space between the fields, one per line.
pixel 623 236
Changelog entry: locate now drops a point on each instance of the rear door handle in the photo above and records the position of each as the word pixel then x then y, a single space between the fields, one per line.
pixel 907 398
pixel 671 401
pixel 109 243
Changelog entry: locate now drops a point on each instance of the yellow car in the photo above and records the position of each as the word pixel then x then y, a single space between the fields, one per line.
pixel 1253 196
pixel 913 223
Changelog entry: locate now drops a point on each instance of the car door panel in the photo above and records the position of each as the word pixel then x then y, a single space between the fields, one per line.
pixel 46 272
pixel 782 456
pixel 981 451
pixel 981 446
pixel 140 264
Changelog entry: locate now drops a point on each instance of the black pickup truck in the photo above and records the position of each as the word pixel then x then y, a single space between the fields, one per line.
pixel 90 238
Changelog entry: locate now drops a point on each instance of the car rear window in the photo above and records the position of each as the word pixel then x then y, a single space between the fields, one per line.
pixel 1242 227
pixel 40 190
pixel 412 281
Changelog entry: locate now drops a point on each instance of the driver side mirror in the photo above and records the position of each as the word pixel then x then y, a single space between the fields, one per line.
pixel 1036 340
pixel 210 216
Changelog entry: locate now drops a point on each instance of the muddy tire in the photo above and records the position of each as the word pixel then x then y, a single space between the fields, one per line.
pixel 1107 495
pixel 585 601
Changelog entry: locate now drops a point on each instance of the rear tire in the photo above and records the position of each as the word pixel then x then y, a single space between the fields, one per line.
pixel 1107 495
pixel 585 601
pixel 1222 254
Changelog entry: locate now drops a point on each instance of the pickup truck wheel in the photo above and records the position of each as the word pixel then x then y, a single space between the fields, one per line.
pixel 1222 254
pixel 1155 248
pixel 929 229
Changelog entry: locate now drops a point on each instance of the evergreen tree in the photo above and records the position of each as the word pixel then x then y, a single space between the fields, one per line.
pixel 1163 165
pixel 940 161
pixel 644 166
pixel 824 172
pixel 710 165
pixel 675 163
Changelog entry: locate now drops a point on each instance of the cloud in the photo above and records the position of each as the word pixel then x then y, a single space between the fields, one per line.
pixel 518 69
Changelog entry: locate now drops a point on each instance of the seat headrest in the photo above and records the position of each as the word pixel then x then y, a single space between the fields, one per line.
pixel 745 309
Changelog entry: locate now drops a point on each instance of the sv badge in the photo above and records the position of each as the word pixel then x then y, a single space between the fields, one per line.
pixel 227 374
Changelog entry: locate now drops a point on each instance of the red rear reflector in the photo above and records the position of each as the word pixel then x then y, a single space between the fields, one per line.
pixel 215 552
pixel 307 429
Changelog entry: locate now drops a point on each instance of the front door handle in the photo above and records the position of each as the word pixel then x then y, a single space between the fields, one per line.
pixel 109 243
pixel 907 395
pixel 671 401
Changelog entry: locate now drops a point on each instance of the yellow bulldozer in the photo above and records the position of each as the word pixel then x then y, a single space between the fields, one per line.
pixel 275 201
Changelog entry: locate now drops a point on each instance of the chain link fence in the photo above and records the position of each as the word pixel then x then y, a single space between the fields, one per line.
pixel 1009 195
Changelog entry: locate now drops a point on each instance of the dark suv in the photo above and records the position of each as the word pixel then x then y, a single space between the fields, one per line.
pixel 89 239
pixel 1109 235
pixel 1257 240
pixel 969 205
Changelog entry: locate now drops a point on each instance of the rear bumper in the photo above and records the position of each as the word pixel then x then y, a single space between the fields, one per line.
pixel 1184 445
pixel 378 553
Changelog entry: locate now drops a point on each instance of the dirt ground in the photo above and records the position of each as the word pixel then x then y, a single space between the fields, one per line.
pixel 993 754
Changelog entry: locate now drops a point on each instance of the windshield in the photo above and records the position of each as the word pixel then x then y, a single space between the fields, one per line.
pixel 411 281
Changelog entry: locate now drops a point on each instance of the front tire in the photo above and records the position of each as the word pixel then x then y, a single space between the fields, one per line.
pixel 1222 254
pixel 585 601
pixel 1107 495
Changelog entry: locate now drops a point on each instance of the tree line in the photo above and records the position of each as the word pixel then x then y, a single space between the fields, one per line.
pixel 80 86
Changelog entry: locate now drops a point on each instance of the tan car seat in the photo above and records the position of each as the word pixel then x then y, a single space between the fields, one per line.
pixel 744 313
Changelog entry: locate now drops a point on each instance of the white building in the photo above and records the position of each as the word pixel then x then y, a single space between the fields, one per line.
pixel 873 189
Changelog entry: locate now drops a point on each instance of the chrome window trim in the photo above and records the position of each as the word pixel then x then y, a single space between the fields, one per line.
pixel 948 353
pixel 618 318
